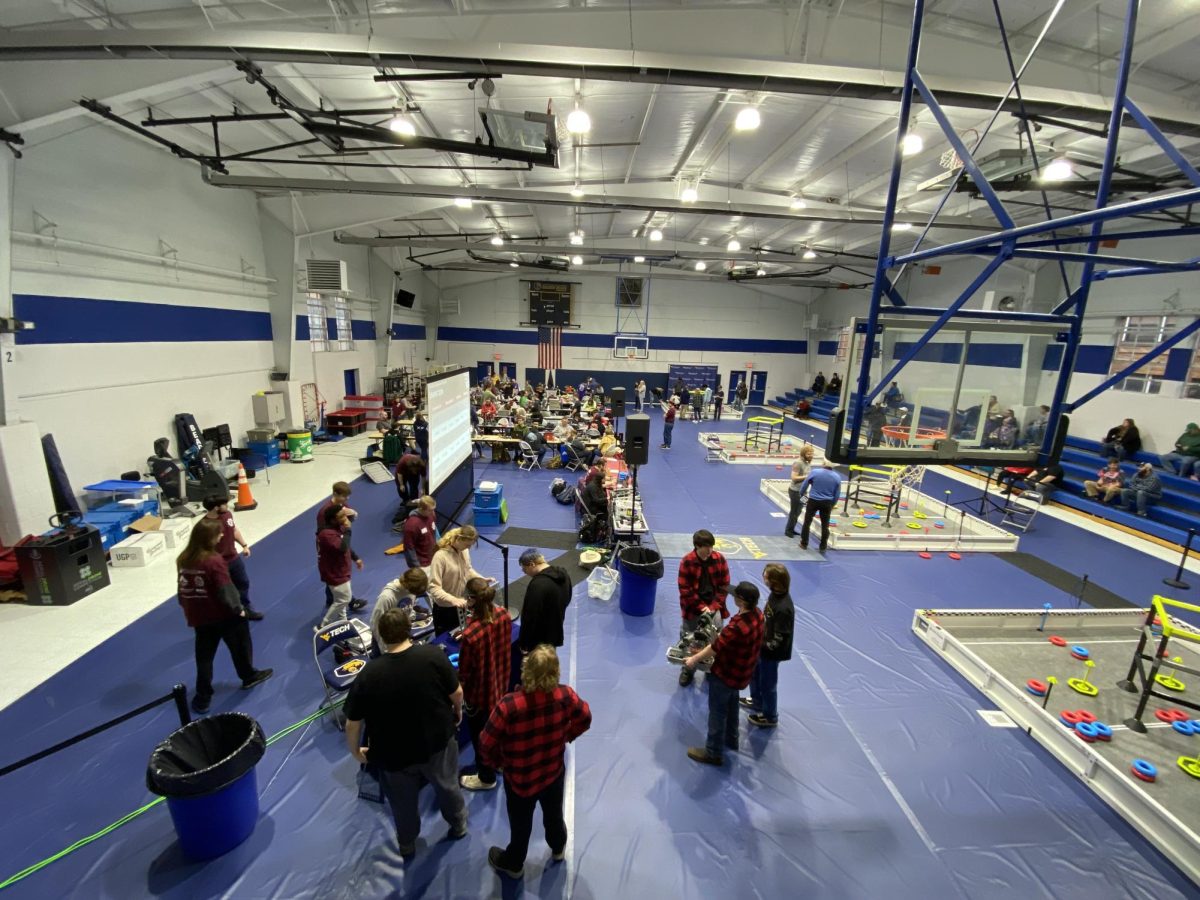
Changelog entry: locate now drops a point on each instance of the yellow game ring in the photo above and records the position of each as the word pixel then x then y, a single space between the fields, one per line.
pixel 1190 764
pixel 1171 684
pixel 917 514
pixel 914 526
pixel 859 524
pixel 1083 687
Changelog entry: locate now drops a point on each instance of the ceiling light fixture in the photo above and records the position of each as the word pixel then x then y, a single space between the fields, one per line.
pixel 704 242
pixel 747 119
pixel 810 253
pixel 514 265
pixel 497 241
pixel 577 191
pixel 911 144
pixel 759 273
pixel 577 260
pixel 798 203
pixel 688 195
pixel 902 226
pixel 1059 170
pixel 579 122
pixel 656 235
pixel 402 125
pixel 701 265
pixel 576 237
pixel 639 259
pixel 463 202
pixel 734 245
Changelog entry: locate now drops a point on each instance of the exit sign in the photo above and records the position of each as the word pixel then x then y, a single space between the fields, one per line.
pixel 749 365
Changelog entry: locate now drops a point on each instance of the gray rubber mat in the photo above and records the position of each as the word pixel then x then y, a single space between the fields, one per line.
pixel 769 547
pixel 537 537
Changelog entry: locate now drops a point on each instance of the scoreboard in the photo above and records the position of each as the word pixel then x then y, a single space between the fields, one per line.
pixel 550 302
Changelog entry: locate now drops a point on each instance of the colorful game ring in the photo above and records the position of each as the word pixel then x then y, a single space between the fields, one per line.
pixel 1087 731
pixel 939 524
pixel 955 555
pixel 1084 687
pixel 1103 732
pixel 454 660
pixel 1170 715
pixel 1144 770
pixel 1171 684
pixel 1184 727
pixel 1057 641
pixel 1079 652
pixel 860 524
pixel 925 554
pixel 914 526
pixel 1085 716
pixel 1190 764
pixel 1071 717
pixel 919 515
pixel 1037 687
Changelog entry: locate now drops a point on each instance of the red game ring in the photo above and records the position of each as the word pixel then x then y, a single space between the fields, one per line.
pixel 1072 716
pixel 1083 737
pixel 1057 641
pixel 1085 716
pixel 1170 715
pixel 1077 656
pixel 1039 687
pixel 1148 778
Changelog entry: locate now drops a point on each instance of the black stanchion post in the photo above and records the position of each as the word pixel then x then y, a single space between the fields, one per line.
pixel 179 695
pixel 1083 585
pixel 504 553
pixel 1177 582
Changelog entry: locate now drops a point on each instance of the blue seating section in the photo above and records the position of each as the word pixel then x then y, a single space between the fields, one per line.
pixel 822 407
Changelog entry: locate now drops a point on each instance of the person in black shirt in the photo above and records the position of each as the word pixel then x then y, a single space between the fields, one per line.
pixel 1046 480
pixel 547 597
pixel 421 435
pixel 776 647
pixel 411 701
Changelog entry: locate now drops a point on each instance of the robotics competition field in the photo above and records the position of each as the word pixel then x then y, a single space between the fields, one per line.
pixel 881 780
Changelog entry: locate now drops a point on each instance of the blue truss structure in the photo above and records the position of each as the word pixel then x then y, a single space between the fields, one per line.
pixel 1039 240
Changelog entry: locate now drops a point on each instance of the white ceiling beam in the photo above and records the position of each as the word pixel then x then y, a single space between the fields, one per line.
pixel 880 132
pixel 788 144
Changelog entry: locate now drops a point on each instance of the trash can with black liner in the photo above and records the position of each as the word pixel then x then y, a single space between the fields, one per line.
pixel 206 772
pixel 641 568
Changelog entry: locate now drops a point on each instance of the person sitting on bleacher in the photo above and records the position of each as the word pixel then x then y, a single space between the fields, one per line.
pixel 1108 483
pixel 1004 435
pixel 1036 431
pixel 1186 454
pixel 835 384
pixel 818 385
pixel 892 398
pixel 803 408
pixel 1046 480
pixel 1122 441
pixel 1143 487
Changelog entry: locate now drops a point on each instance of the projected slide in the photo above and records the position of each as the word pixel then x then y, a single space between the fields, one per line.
pixel 449 414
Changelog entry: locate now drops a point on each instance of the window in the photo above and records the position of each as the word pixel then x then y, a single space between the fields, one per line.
pixel 317 340
pixel 1191 388
pixel 1136 336
pixel 345 333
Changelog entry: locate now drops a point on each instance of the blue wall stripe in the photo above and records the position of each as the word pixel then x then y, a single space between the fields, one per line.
pixel 1052 360
pixel 1093 360
pixel 360 329
pixel 1179 361
pixel 580 339
pixel 999 356
pixel 80 320
pixel 827 348
pixel 405 332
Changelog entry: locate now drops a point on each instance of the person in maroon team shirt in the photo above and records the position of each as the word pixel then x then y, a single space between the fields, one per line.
pixel 734 653
pixel 214 611
pixel 526 737
pixel 231 538
pixel 334 555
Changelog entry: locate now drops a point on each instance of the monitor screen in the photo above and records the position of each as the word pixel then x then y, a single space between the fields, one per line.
pixel 449 412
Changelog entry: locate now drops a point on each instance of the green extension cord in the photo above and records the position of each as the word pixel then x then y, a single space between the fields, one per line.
pixel 109 829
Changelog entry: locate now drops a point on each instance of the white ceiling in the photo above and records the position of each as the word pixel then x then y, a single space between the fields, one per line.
pixel 647 140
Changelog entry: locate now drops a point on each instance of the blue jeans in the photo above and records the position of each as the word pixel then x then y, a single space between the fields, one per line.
pixel 1186 464
pixel 241 581
pixel 1128 495
pixel 722 717
pixel 764 695
pixel 667 429
pixel 1112 448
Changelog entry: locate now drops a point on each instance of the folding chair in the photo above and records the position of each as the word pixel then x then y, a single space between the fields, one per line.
pixel 527 458
pixel 713 451
pixel 340 650
pixel 1020 511
pixel 575 462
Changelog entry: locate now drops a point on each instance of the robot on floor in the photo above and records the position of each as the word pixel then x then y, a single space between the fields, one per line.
pixel 693 640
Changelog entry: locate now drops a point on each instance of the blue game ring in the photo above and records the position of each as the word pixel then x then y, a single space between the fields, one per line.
pixel 1081 651
pixel 1102 731
pixel 1184 727
pixel 1140 765
pixel 1088 730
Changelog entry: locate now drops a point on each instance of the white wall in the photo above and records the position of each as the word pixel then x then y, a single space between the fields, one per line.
pixel 677 309
pixel 107 402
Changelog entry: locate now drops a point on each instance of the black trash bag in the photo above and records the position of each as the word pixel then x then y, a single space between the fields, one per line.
pixel 642 561
pixel 206 755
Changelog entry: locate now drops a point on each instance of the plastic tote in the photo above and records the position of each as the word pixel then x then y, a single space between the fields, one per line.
pixel 602 583
pixel 641 568
pixel 206 772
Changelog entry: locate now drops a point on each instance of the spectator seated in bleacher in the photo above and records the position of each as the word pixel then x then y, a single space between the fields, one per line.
pixel 1035 432
pixel 892 398
pixel 1004 435
pixel 875 418
pixel 1122 441
pixel 1046 480
pixel 1183 460
pixel 835 384
pixel 966 421
pixel 1108 482
pixel 818 385
pixel 803 408
pixel 1144 487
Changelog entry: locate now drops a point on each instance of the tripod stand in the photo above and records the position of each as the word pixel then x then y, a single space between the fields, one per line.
pixel 985 500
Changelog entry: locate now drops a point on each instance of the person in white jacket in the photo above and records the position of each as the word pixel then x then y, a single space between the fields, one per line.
pixel 449 573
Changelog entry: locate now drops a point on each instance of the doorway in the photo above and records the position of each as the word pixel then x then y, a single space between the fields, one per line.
pixel 350 378
pixel 758 388
pixel 483 370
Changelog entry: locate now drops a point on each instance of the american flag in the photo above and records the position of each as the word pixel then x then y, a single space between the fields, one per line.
pixel 549 348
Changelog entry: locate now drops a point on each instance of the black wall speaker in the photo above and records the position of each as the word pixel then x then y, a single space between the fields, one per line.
pixel 637 439
pixel 618 402
pixel 279 376
pixel 405 298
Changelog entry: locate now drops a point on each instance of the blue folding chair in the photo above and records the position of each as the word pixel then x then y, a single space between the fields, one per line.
pixel 340 650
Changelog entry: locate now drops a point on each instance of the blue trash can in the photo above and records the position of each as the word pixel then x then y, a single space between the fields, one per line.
pixel 641 568
pixel 206 772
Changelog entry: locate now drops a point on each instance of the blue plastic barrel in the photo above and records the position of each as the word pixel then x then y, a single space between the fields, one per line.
pixel 213 824
pixel 641 568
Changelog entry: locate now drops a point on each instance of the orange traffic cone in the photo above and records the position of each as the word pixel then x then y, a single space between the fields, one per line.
pixel 245 500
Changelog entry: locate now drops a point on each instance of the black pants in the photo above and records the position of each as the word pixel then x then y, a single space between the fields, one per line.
pixel 476 720
pixel 241 581
pixel 796 500
pixel 235 633
pixel 520 821
pixel 821 508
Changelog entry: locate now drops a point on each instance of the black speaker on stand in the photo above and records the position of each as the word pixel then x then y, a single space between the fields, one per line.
pixel 617 402
pixel 637 440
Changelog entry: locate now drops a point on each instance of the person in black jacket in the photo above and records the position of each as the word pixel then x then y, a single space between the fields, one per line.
pixel 776 647
pixel 546 600
pixel 1122 441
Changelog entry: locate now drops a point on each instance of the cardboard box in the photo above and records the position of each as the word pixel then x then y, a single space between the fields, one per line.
pixel 139 550
pixel 175 531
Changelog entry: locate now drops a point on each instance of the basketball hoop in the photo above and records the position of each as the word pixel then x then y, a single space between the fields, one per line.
pixel 949 160
pixel 631 352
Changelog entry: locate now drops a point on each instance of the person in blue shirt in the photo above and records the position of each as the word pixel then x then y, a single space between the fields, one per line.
pixel 892 398
pixel 824 486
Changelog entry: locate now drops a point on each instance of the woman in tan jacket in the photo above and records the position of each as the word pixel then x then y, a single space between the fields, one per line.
pixel 449 573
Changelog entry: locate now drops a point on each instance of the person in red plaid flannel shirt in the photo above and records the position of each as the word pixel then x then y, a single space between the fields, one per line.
pixel 703 584
pixel 526 737
pixel 484 664
pixel 734 654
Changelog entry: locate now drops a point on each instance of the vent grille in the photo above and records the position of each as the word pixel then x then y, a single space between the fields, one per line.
pixel 449 306
pixel 326 276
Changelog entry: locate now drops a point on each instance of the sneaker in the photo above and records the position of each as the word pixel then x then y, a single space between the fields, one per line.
pixel 558 855
pixel 747 702
pixel 686 677
pixel 201 704
pixel 356 604
pixel 253 615
pixel 475 783
pixel 257 678
pixel 762 721
pixel 496 861
pixel 458 832
pixel 700 755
